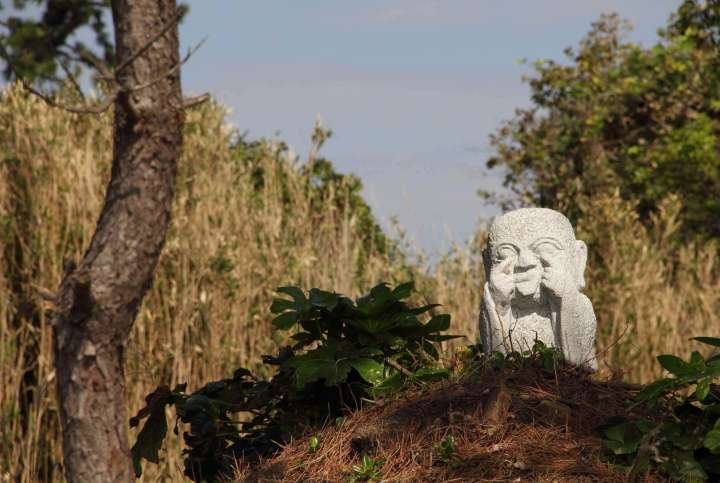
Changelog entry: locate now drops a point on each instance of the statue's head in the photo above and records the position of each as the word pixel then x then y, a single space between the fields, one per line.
pixel 534 237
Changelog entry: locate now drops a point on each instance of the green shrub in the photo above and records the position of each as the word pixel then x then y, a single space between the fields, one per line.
pixel 344 352
pixel 685 445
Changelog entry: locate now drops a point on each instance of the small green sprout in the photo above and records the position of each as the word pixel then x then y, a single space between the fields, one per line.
pixel 313 444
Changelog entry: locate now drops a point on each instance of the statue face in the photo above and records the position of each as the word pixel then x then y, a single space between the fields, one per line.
pixel 535 238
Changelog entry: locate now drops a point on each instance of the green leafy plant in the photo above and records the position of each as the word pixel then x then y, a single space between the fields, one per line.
pixel 369 470
pixel 445 449
pixel 343 352
pixel 685 445
pixel 547 357
pixel 377 336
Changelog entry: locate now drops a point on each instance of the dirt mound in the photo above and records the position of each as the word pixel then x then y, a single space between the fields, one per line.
pixel 530 425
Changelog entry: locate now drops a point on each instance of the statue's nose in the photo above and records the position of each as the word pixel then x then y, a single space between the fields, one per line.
pixel 527 260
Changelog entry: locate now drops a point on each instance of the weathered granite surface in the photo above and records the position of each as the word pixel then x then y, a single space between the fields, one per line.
pixel 534 269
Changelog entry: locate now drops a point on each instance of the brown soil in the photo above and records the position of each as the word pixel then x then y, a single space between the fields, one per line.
pixel 528 426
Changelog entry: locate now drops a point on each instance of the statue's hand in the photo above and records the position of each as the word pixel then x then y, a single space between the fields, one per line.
pixel 502 283
pixel 555 278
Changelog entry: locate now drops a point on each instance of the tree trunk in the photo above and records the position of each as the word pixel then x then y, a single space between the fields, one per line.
pixel 99 299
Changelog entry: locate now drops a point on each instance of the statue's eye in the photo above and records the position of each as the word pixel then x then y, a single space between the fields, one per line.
pixel 546 248
pixel 504 253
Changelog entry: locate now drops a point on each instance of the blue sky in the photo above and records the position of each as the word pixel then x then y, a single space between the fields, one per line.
pixel 411 88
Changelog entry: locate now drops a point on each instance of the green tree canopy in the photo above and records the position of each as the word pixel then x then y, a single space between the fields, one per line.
pixel 43 47
pixel 645 121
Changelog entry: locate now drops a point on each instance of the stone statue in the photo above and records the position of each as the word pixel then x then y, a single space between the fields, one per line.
pixel 534 269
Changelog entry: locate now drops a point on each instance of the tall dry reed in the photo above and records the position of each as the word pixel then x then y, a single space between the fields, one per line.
pixel 234 238
pixel 244 223
pixel 651 290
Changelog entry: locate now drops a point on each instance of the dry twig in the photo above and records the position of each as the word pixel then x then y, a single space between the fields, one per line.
pixel 111 76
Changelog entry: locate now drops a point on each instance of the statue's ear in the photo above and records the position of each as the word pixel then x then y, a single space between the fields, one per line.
pixel 580 261
pixel 487 262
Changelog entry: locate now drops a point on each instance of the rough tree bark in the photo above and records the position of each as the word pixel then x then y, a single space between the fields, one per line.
pixel 99 298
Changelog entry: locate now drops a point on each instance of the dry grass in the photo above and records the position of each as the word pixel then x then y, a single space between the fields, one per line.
pixel 231 244
pixel 545 431
pixel 651 293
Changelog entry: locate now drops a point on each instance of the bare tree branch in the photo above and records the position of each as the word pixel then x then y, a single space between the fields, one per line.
pixel 195 101
pixel 171 71
pixel 398 367
pixel 71 78
pixel 98 109
pixel 179 14
pixel 111 76
pixel 105 72
pixel 50 101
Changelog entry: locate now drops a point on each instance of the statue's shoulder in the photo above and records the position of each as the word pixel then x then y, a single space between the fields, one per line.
pixel 585 305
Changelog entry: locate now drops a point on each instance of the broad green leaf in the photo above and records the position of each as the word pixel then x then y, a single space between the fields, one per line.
pixel 645 426
pixel 369 369
pixel 381 292
pixel 376 301
pixel 431 374
pixel 403 291
pixel 296 293
pixel 150 439
pixel 655 389
pixel 430 349
pixel 285 321
pixel 423 309
pixel 321 298
pixel 617 432
pixel 281 305
pixel 712 370
pixel 438 323
pixel 156 399
pixel 712 440
pixel 539 346
pixel 198 403
pixel 686 436
pixel 675 365
pixel 713 341
pixel 389 385
pixel 619 448
pixel 697 361
pixel 623 438
pixel 319 364
pixel 702 389
pixel 408 320
pixel 213 387
pixel 684 465
pixel 303 337
pixel 375 325
pixel 371 351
